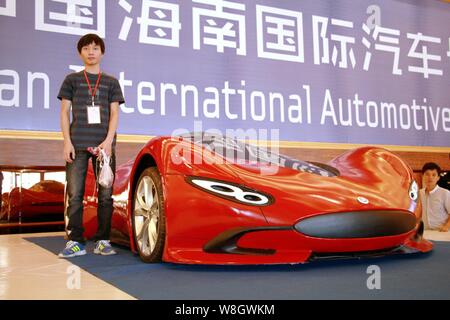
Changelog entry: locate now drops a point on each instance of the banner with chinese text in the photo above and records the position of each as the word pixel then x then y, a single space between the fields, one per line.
pixel 320 71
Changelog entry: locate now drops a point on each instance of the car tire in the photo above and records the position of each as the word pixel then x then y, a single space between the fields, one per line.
pixel 148 216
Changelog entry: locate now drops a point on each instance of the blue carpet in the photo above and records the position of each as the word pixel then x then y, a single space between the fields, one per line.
pixel 414 276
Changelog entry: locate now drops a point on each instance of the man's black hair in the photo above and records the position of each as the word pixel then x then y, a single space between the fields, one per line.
pixel 431 166
pixel 89 38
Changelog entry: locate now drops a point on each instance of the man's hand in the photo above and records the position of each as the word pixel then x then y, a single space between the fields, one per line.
pixel 444 228
pixel 69 152
pixel 106 146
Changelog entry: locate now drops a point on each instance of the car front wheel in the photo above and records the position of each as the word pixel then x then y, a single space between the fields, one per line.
pixel 148 216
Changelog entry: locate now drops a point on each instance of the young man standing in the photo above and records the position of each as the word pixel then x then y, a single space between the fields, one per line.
pixel 435 200
pixel 94 98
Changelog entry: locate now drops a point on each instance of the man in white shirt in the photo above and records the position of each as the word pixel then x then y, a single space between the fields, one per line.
pixel 435 200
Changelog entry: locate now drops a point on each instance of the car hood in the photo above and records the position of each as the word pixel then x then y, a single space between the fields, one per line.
pixel 363 179
pixel 369 179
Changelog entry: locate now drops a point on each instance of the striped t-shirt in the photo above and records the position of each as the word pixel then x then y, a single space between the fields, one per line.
pixel 76 89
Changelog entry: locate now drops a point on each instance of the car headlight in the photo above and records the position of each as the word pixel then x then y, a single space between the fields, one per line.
pixel 414 191
pixel 231 191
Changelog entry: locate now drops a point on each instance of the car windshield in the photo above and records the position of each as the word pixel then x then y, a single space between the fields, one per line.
pixel 239 152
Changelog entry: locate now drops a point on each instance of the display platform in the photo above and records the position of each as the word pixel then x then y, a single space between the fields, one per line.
pixel 30 269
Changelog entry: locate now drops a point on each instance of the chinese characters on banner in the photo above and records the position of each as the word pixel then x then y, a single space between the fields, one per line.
pixel 9 8
pixel 222 25
pixel 315 70
pixel 71 16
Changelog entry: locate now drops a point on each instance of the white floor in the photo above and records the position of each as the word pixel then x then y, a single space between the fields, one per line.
pixel 436 235
pixel 29 272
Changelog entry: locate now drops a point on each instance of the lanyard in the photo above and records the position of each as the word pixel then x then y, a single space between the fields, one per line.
pixel 96 85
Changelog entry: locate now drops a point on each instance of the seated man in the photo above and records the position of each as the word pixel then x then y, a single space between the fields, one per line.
pixel 435 200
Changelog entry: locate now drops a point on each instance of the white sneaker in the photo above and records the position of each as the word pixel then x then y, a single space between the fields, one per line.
pixel 104 248
pixel 72 249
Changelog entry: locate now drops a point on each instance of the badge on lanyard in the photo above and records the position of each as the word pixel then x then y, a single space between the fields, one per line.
pixel 93 110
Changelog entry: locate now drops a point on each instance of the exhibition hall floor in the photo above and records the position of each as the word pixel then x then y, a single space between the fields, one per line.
pixel 30 269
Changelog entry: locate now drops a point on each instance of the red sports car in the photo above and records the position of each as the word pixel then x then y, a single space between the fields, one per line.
pixel 205 199
pixel 44 201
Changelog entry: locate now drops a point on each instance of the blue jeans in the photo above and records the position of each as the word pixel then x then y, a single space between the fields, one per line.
pixel 76 180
